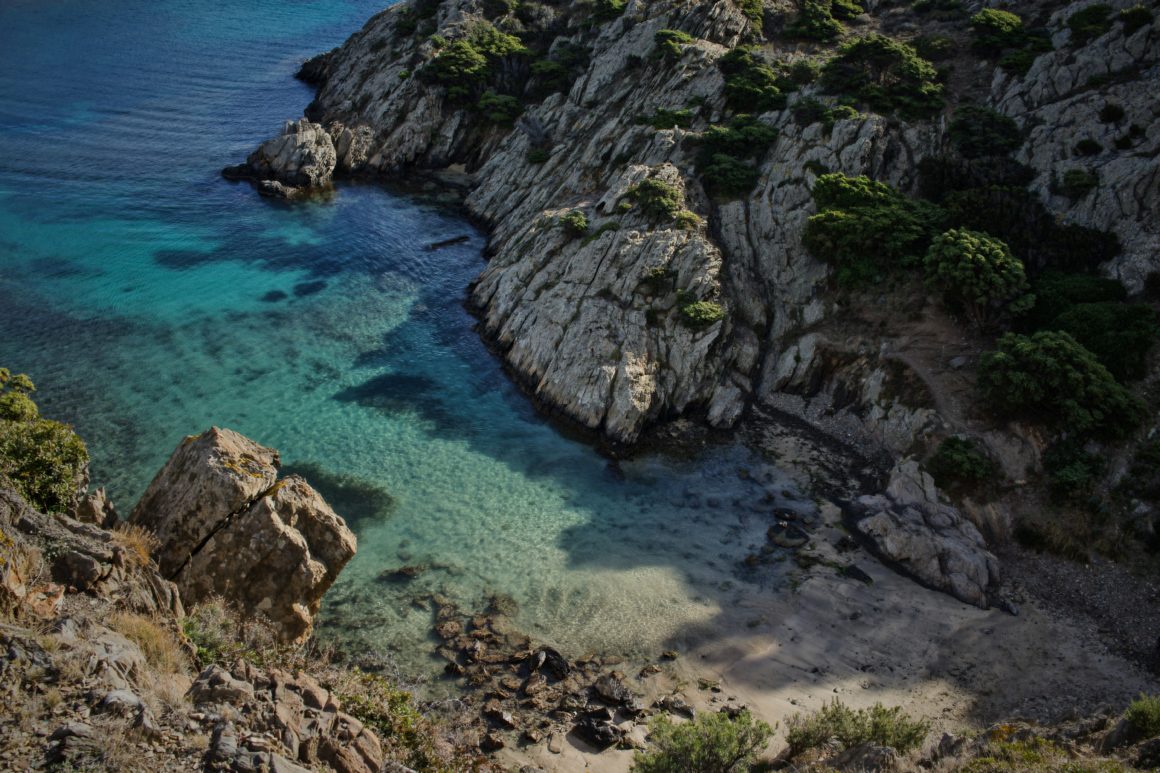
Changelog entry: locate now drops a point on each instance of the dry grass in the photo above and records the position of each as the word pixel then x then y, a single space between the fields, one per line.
pixel 160 647
pixel 137 541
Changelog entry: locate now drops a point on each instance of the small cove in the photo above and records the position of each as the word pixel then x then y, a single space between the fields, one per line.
pixel 150 299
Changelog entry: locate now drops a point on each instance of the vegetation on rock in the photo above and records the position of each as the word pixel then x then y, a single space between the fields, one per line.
pixel 724 160
pixel 960 463
pixel 815 21
pixel 854 212
pixel 1144 716
pixel 1090 22
pixel 751 85
pixel 979 131
pixel 575 223
pixel 669 42
pixel 886 74
pixel 42 459
pixel 713 743
pixel 701 314
pixel 1050 377
pixel 978 274
pixel 657 199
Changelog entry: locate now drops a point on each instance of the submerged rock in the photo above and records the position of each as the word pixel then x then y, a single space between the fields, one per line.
pixel 227 527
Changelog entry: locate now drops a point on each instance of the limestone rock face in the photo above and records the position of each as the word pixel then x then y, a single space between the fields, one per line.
pixel 927 539
pixel 209 478
pixel 302 157
pixel 228 527
pixel 1060 101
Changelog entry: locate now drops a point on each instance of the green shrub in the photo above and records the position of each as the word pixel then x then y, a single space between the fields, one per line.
pixel 727 177
pixel 611 225
pixel 500 108
pixel 1057 292
pixel 934 48
pixel 743 137
pixel 1111 113
pixel 1020 219
pixel 687 220
pixel 809 111
pixel 1120 334
pixel 1087 147
pixel 575 223
pixel 460 68
pixel 1071 471
pixel 1051 378
pixel 751 85
pixel 943 175
pixel 978 274
pixel 852 727
pixel 663 118
pixel 391 713
pixel 1135 17
pixel 669 42
pixel 815 21
pixel 980 131
pixel 1090 22
pixel 657 199
pixel 713 743
pixel 495 8
pixel 959 462
pixel 846 9
pixel 1077 183
pixel 699 315
pixel 754 10
pixel 995 30
pixel 551 76
pixel 41 459
pixel 886 74
pixel 607 10
pixel 868 229
pixel 538 155
pixel 1144 715
pixel 804 72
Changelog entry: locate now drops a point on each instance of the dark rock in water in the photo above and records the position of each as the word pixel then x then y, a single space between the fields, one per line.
pixel 492 742
pixel 274 296
pixel 447 242
pixel 316 69
pixel 599 733
pixel 784 514
pixel 612 690
pixel 787 535
pixel 547 659
pixel 303 289
pixel 854 573
pixel 670 654
pixel 494 711
pixel 403 573
pixel 276 190
pixel 614 471
pixel 650 669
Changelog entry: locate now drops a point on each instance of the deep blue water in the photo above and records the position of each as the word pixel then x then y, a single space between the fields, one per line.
pixel 150 299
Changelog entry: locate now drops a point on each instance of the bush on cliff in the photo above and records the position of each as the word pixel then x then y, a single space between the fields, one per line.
pixel 42 459
pixel 657 199
pixel 724 160
pixel 978 274
pixel 751 85
pixel 574 223
pixel 1121 334
pixel 979 131
pixel 960 463
pixel 1090 22
pixel 867 229
pixel 886 74
pixel 1049 377
pixel 713 743
pixel 995 30
pixel 464 66
pixel 669 42
pixel 815 21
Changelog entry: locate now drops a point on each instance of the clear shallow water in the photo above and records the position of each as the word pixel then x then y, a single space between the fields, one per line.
pixel 150 299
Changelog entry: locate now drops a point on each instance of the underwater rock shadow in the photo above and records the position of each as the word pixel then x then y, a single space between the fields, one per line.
pixel 360 502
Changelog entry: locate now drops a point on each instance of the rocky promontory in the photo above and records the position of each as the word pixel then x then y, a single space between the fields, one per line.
pixel 602 326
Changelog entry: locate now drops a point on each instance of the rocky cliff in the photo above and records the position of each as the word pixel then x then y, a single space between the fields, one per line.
pixel 594 325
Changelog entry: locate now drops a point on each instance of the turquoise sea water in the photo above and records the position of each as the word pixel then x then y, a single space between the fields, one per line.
pixel 150 299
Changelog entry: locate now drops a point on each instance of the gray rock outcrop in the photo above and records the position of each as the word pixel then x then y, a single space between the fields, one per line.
pixel 301 159
pixel 931 541
pixel 227 527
